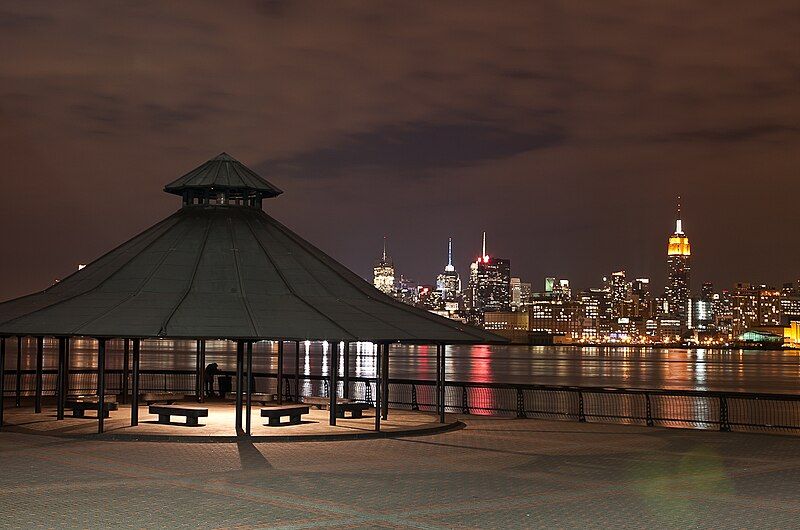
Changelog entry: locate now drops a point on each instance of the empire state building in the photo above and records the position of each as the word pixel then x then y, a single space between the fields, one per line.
pixel 678 288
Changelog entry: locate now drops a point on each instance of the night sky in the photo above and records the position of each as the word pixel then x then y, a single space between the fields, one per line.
pixel 564 129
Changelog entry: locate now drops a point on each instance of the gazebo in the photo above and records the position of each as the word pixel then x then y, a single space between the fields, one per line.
pixel 221 268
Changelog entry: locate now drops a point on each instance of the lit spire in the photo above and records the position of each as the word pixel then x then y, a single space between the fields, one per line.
pixel 678 223
pixel 449 267
pixel 384 248
pixel 483 253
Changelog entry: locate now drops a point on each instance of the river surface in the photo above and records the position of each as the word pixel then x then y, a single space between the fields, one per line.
pixel 629 367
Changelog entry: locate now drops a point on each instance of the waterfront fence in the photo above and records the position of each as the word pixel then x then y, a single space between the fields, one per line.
pixel 724 411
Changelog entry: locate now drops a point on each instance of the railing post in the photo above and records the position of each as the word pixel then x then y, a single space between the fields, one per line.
pixel 414 404
pixel 581 413
pixel 649 408
pixel 126 358
pixel 521 403
pixel 724 422
pixel 464 402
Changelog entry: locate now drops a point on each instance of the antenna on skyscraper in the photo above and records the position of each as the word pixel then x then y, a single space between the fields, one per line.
pixel 384 248
pixel 483 253
pixel 679 223
pixel 449 267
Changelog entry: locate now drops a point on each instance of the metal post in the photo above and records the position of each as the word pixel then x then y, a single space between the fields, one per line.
pixel 378 388
pixel 60 382
pixel 18 387
pixel 297 371
pixel 280 372
pixel 126 361
pixel 444 382
pixel 239 370
pixel 135 392
pixel 346 372
pixel 65 381
pixel 2 377
pixel 198 369
pixel 202 372
pixel 333 372
pixel 385 382
pixel 101 384
pixel 438 377
pixel 37 408
pixel 250 380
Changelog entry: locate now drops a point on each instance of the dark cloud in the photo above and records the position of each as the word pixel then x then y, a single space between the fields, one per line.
pixel 564 129
pixel 416 148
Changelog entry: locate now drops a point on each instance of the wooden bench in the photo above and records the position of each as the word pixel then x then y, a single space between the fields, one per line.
pixel 191 413
pixel 167 398
pixel 323 402
pixel 356 410
pixel 80 406
pixel 276 413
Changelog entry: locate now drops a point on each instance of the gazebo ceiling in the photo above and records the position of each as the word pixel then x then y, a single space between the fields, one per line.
pixel 224 271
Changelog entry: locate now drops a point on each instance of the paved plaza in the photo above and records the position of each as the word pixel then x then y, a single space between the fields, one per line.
pixel 495 473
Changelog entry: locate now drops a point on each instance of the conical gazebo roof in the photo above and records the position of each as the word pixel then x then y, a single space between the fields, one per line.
pixel 223 268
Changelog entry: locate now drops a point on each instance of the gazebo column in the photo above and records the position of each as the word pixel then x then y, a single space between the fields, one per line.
pixel 202 372
pixel 332 384
pixel 297 371
pixel 61 376
pixel 18 387
pixel 37 406
pixel 378 387
pixel 198 369
pixel 346 371
pixel 135 384
pixel 385 382
pixel 101 384
pixel 65 380
pixel 239 375
pixel 126 361
pixel 280 372
pixel 443 367
pixel 2 378
pixel 438 390
pixel 250 380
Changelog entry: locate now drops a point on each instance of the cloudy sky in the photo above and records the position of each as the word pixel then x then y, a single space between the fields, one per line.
pixel 564 129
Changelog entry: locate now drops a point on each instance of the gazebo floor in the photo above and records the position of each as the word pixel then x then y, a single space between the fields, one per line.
pixel 219 425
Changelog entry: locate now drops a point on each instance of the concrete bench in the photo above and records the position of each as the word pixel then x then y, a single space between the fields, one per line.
pixel 323 402
pixel 80 406
pixel 262 398
pixel 190 413
pixel 276 413
pixel 167 398
pixel 356 410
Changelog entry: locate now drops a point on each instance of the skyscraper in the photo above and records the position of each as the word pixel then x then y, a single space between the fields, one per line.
pixel 448 283
pixel 383 272
pixel 678 286
pixel 489 287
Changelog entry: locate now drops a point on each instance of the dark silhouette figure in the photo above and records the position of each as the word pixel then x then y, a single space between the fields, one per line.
pixel 211 370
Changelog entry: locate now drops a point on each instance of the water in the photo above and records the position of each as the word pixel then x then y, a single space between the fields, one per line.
pixel 629 367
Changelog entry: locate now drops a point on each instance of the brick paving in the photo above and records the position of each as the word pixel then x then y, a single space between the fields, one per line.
pixel 496 473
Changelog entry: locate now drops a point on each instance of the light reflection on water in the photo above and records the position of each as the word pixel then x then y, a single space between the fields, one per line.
pixel 671 368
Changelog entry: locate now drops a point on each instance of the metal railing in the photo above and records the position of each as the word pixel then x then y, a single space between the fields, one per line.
pixel 724 411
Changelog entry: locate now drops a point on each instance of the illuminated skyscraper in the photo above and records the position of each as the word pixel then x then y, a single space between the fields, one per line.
pixel 678 272
pixel 383 272
pixel 489 287
pixel 448 283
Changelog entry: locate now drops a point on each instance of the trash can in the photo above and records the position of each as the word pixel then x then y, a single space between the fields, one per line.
pixel 225 384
